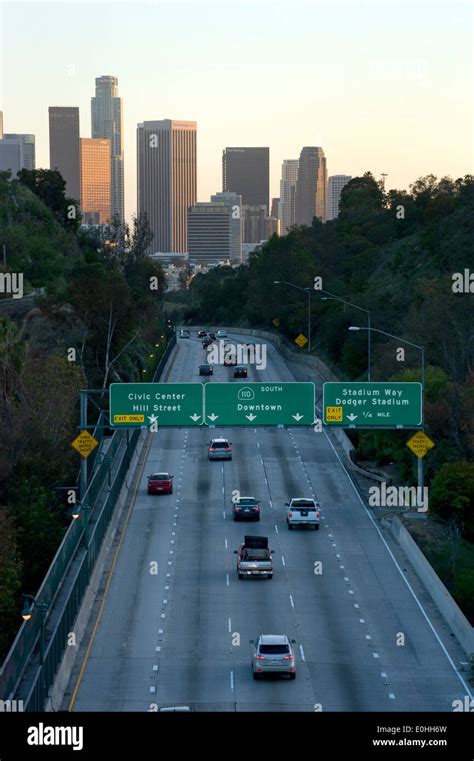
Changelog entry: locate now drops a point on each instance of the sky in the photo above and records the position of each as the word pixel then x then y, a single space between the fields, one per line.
pixel 381 86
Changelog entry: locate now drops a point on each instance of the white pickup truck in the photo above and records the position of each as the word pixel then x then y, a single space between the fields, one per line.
pixel 254 558
pixel 303 511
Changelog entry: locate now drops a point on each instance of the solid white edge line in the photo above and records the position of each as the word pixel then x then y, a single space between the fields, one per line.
pixel 231 680
pixel 427 619
pixel 302 653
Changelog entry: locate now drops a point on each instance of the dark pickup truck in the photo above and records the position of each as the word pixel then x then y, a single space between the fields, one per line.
pixel 254 558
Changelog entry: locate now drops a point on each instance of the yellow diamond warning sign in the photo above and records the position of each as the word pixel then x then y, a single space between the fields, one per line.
pixel 84 443
pixel 420 444
pixel 301 340
pixel 333 414
pixel 276 321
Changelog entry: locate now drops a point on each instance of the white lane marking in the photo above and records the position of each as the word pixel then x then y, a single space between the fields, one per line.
pixel 168 575
pixel 223 513
pixel 152 689
pixel 283 560
pixel 170 562
pixel 362 620
pixel 163 615
pixel 229 622
pixel 167 587
pixel 223 490
pixel 158 648
pixel 227 579
pixel 160 631
pixel 346 578
pixel 231 680
pixel 291 602
pixel 225 541
pixel 383 674
pixel 367 636
pixel 270 503
pixel 330 536
pixel 355 605
pixel 155 667
pixel 341 567
pixel 351 591
pixel 172 541
pixel 165 601
pixel 376 655
pixel 302 652
pixel 173 533
pixel 420 606
pixel 276 528
pixel 391 696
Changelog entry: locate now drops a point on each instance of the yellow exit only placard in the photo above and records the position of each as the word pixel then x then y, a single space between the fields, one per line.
pixel 129 418
pixel 333 414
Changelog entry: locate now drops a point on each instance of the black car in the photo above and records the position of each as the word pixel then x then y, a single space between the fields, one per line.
pixel 201 333
pixel 206 342
pixel 246 508
pixel 212 336
pixel 240 372
pixel 206 370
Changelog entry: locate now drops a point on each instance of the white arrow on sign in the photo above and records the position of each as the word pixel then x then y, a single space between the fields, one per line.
pixel 195 417
pixel 251 417
pixel 213 417
pixel 297 416
pixel 352 417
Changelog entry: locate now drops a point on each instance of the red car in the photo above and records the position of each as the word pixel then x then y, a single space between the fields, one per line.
pixel 160 483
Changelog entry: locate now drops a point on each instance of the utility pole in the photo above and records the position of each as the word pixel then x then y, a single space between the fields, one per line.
pixel 383 175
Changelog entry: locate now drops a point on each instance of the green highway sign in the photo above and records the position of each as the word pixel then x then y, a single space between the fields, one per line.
pixel 372 405
pixel 142 404
pixel 259 403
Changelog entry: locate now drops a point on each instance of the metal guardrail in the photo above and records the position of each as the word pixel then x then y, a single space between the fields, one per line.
pixel 74 558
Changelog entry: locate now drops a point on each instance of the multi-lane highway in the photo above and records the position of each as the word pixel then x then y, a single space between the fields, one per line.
pixel 181 636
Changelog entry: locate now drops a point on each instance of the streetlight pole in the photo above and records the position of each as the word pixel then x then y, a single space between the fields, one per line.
pixel 333 297
pixel 308 291
pixel 26 615
pixel 422 350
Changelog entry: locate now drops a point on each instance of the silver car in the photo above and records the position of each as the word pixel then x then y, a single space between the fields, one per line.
pixel 273 654
pixel 220 449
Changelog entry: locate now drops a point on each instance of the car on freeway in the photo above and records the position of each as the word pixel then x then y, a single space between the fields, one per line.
pixel 160 483
pixel 202 333
pixel 212 336
pixel 246 508
pixel 220 449
pixel 273 654
pixel 240 372
pixel 221 334
pixel 254 558
pixel 206 370
pixel 184 333
pixel 303 511
pixel 230 360
pixel 206 342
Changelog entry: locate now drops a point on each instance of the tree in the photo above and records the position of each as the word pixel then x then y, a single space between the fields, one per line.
pixel 49 186
pixel 12 355
pixel 10 579
pixel 452 495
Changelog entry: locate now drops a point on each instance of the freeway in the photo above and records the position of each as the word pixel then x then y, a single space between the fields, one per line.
pixel 181 636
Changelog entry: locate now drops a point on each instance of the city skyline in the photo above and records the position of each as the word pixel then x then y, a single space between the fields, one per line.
pixel 374 109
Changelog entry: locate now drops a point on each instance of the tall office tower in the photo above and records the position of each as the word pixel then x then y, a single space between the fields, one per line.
pixel 236 222
pixel 96 185
pixel 64 147
pixel 166 180
pixel 209 233
pixel 255 223
pixel 107 122
pixel 11 156
pixel 287 205
pixel 335 186
pixel 274 208
pixel 28 141
pixel 311 186
pixel 246 171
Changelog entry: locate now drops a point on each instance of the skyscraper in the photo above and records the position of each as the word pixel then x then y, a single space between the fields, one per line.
pixel 64 148
pixel 96 180
pixel 166 180
pixel 246 171
pixel 311 186
pixel 236 222
pixel 287 205
pixel 335 186
pixel 28 142
pixel 209 233
pixel 107 122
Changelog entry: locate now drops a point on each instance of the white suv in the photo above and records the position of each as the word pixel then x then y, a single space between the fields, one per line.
pixel 221 334
pixel 303 511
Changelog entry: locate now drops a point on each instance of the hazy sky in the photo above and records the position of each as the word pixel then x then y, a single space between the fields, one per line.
pixel 381 86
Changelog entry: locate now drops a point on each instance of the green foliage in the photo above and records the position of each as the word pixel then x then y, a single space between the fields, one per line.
pixel 49 186
pixel 452 494
pixel 463 592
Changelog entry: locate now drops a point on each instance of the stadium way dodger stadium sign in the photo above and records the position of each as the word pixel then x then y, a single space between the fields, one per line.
pixel 372 404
